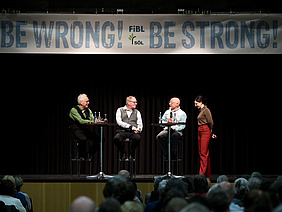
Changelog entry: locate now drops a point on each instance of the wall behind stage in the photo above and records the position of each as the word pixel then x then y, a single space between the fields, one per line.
pixel 38 92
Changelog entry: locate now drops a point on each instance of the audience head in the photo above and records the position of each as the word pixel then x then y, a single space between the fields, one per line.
pixel 241 186
pixel 195 207
pixel 218 199
pixel 222 178
pixel 83 204
pixel 201 184
pixel 110 205
pixel 120 188
pixel 132 206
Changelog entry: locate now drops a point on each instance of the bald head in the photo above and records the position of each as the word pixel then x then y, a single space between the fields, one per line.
pixel 83 204
pixel 174 103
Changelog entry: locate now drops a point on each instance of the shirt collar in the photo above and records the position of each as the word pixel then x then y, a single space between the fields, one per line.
pixel 125 108
pixel 203 108
pixel 175 109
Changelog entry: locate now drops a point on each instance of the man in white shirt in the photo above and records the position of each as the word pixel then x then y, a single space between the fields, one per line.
pixel 6 191
pixel 173 115
pixel 130 126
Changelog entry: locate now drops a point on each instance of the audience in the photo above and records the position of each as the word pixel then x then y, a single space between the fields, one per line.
pixel 253 194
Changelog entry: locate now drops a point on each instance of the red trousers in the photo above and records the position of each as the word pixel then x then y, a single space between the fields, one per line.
pixel 204 137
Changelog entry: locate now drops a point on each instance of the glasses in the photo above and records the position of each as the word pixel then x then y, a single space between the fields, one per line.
pixel 171 102
pixel 134 102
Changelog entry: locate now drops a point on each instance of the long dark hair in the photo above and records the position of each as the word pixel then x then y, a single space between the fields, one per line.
pixel 202 99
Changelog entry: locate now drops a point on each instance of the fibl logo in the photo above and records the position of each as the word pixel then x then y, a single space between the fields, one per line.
pixel 132 36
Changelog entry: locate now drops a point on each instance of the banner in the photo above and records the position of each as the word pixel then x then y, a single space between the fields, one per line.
pixel 138 34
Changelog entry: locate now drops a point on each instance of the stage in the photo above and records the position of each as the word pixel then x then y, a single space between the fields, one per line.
pixel 56 192
pixel 241 104
pixel 140 178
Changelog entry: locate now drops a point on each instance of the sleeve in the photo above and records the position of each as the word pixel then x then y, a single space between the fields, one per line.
pixel 139 121
pixel 208 116
pixel 91 116
pixel 75 116
pixel 119 121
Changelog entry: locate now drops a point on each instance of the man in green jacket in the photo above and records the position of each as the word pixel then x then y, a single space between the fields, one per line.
pixel 79 116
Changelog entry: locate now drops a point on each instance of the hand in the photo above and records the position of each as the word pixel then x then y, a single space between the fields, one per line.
pixel 214 136
pixel 170 120
pixel 134 128
pixel 136 131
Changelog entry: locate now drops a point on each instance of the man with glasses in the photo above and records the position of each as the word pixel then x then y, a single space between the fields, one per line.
pixel 79 116
pixel 173 115
pixel 130 126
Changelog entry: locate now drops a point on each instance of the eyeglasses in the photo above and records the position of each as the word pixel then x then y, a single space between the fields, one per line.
pixel 134 102
pixel 171 102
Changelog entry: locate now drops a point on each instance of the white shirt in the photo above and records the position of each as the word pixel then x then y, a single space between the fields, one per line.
pixel 129 112
pixel 178 115
pixel 8 200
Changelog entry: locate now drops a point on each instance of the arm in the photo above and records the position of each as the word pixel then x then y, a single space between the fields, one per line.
pixel 139 122
pixel 208 116
pixel 74 115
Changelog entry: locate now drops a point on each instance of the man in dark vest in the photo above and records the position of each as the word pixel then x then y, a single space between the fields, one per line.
pixel 79 116
pixel 130 126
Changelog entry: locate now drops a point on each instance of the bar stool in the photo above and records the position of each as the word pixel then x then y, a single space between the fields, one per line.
pixel 74 142
pixel 131 161
pixel 179 157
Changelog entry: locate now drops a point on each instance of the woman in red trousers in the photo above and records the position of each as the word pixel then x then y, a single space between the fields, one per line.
pixel 205 125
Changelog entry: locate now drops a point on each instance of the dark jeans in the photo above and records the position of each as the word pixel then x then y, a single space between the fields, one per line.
pixel 121 136
pixel 162 139
pixel 88 141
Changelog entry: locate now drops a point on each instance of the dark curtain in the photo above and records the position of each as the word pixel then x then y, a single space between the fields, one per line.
pixel 38 92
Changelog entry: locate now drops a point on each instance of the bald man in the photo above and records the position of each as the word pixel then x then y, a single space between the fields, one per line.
pixel 173 115
pixel 83 204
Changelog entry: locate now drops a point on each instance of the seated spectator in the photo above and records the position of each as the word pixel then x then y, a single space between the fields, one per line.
pixel 241 188
pixel 132 206
pixel 83 204
pixel 155 206
pixel 110 205
pixel 254 183
pixel 222 178
pixel 232 206
pixel 19 184
pixel 256 200
pixel 6 191
pixel 175 204
pixel 126 174
pixel 218 199
pixel 120 188
pixel 16 194
pixel 275 193
pixel 190 185
pixel 195 207
pixel 256 175
pixel 154 195
pixel 201 185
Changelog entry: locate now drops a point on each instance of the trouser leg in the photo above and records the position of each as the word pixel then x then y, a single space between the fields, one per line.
pixel 204 136
pixel 162 139
pixel 135 137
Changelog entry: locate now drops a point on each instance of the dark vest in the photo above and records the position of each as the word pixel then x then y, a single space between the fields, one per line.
pixel 74 124
pixel 132 120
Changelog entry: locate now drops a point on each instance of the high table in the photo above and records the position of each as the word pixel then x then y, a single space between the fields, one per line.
pixel 101 174
pixel 168 125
